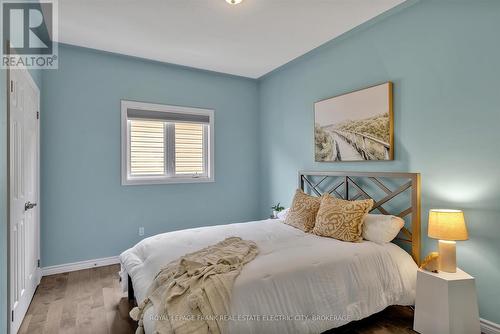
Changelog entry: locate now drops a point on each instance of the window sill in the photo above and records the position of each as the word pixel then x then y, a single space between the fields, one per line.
pixel 170 180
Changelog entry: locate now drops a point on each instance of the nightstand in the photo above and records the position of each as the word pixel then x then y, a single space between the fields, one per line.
pixel 446 303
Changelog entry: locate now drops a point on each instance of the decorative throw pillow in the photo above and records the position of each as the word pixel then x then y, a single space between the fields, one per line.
pixel 381 228
pixel 282 214
pixel 341 219
pixel 302 213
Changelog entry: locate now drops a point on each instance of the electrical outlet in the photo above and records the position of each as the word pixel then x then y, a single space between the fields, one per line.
pixel 141 231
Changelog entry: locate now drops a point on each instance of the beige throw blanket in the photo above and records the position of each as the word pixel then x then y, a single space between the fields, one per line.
pixel 192 294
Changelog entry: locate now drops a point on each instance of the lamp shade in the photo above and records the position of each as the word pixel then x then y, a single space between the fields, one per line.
pixel 447 225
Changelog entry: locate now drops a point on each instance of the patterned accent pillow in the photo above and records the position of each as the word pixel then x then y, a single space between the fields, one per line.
pixel 341 219
pixel 302 213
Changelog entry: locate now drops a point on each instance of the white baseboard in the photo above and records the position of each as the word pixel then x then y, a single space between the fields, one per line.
pixel 67 267
pixel 489 327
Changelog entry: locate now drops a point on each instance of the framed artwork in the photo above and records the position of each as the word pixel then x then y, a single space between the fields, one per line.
pixel 356 126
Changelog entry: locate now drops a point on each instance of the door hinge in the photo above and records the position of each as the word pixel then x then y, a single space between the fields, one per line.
pixel 38 263
pixel 37 115
pixel 11 86
pixel 12 316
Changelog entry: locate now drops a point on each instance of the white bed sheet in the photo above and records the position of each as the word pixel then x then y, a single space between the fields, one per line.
pixel 299 282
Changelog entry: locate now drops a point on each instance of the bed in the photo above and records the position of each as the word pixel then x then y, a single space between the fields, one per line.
pixel 300 282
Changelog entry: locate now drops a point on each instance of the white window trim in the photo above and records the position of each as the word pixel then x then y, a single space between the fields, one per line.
pixel 145 180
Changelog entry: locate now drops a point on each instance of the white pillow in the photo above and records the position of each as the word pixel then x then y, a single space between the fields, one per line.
pixel 381 228
pixel 283 213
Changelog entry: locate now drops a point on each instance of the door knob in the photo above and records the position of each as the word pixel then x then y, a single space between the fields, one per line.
pixel 28 205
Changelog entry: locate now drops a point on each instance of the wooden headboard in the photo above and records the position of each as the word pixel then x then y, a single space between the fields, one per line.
pixel 385 188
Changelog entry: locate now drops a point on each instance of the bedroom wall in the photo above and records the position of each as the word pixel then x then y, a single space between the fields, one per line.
pixel 443 57
pixel 86 212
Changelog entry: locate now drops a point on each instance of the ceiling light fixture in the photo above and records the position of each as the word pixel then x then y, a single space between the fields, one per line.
pixel 233 2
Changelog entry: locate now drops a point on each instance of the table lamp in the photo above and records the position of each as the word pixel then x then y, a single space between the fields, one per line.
pixel 447 226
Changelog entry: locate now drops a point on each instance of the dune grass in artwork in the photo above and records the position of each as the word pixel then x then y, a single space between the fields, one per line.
pixel 323 144
pixel 376 126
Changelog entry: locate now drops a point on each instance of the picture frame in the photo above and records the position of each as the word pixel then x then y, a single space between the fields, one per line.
pixel 355 126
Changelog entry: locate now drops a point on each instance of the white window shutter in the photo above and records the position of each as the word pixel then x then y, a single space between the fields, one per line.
pixel 147 147
pixel 189 149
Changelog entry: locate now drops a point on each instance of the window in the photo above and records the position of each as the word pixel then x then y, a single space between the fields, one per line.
pixel 166 144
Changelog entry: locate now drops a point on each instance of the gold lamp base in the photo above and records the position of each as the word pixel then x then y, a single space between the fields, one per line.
pixel 447 256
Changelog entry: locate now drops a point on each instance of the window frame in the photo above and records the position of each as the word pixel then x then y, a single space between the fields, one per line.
pixel 169 177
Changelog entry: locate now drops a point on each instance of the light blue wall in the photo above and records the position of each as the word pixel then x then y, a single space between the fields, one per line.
pixel 86 212
pixel 444 60
pixel 3 193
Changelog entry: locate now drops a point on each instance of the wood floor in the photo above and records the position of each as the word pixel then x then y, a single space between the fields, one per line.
pixel 85 301
pixel 91 301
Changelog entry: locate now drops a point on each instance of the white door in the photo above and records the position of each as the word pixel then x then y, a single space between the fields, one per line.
pixel 25 274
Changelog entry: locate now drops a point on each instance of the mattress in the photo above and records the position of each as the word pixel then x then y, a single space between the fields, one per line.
pixel 299 282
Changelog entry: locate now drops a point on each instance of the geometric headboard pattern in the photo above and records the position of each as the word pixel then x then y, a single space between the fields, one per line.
pixel 395 194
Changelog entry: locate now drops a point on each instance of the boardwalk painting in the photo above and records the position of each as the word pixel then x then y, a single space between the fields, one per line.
pixel 356 126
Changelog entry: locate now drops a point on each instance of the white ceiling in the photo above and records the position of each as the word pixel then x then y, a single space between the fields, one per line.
pixel 249 39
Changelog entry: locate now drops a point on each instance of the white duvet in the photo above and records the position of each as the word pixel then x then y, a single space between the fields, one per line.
pixel 299 282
